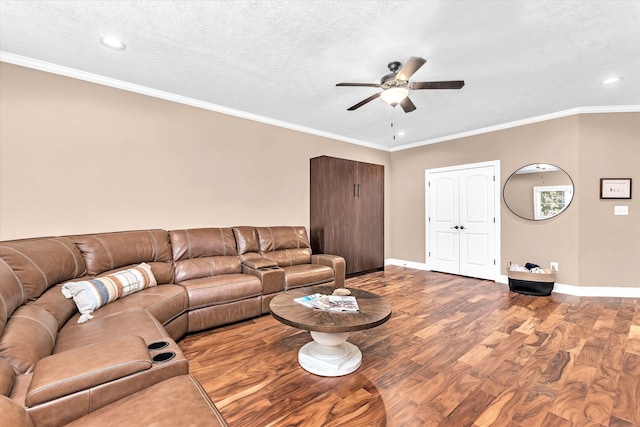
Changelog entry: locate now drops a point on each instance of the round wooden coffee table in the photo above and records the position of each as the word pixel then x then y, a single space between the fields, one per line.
pixel 329 354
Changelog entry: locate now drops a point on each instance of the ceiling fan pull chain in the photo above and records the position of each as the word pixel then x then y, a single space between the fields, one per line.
pixel 392 126
pixel 392 113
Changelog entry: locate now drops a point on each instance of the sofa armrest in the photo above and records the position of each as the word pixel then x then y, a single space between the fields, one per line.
pixel 336 262
pixel 259 262
pixel 13 414
pixel 81 368
pixel 272 278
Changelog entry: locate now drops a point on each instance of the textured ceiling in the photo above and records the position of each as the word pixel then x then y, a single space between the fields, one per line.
pixel 280 60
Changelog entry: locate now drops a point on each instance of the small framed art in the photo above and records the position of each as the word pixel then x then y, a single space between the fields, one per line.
pixel 615 188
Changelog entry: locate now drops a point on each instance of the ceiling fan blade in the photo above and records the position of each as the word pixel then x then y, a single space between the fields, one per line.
pixel 454 84
pixel 407 105
pixel 359 84
pixel 412 65
pixel 361 103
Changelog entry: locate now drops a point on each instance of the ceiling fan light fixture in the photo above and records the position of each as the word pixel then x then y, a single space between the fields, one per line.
pixel 395 86
pixel 394 95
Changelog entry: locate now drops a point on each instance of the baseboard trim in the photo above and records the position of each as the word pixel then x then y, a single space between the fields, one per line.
pixel 597 291
pixel 403 263
pixel 560 288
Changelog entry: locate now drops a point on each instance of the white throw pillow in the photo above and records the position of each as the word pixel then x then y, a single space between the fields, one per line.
pixel 89 295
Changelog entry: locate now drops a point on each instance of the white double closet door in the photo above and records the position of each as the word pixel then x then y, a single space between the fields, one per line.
pixel 461 221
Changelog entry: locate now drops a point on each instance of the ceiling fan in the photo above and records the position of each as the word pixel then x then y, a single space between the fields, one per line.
pixel 396 85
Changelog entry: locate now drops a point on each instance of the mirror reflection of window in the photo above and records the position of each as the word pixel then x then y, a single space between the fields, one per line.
pixel 549 201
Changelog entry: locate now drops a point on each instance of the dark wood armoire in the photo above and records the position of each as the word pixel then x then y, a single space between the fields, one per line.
pixel 347 212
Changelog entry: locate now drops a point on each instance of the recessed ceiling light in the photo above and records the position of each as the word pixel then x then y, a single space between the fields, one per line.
pixel 112 43
pixel 611 80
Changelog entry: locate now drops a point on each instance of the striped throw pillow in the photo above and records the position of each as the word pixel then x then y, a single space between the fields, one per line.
pixel 89 295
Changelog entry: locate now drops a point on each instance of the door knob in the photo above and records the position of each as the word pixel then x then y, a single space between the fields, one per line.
pixel 462 227
pixel 456 227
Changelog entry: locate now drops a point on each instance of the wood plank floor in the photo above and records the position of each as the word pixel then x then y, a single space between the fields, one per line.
pixel 456 352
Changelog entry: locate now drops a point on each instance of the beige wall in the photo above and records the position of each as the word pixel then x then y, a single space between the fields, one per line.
pixel 78 157
pixel 609 245
pixel 592 247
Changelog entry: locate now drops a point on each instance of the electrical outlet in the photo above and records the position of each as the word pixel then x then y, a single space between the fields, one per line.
pixel 554 265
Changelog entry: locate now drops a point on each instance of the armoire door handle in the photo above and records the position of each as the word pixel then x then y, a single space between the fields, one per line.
pixel 456 227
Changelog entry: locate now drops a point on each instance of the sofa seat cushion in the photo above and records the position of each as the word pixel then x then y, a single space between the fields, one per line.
pixel 214 290
pixel 71 371
pixel 306 275
pixel 178 401
pixel 73 335
pixel 164 302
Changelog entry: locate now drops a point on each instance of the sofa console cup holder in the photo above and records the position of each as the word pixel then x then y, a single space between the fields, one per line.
pixel 163 357
pixel 157 345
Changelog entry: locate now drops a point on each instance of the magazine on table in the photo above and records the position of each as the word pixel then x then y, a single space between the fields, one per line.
pixel 329 302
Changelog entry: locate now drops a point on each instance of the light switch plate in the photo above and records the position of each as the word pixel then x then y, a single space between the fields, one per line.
pixel 621 210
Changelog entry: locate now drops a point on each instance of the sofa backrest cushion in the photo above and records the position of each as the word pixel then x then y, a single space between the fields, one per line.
pixel 29 336
pixel 202 242
pixel 201 252
pixel 282 237
pixel 41 263
pixel 246 239
pixel 7 378
pixel 285 245
pixel 55 303
pixel 12 295
pixel 105 252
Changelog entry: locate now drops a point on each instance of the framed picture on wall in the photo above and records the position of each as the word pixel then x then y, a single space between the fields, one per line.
pixel 615 188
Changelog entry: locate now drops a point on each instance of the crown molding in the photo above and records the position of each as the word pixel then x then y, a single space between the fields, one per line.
pixel 530 120
pixel 167 96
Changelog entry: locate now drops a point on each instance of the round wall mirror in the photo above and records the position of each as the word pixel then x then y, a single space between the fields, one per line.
pixel 538 191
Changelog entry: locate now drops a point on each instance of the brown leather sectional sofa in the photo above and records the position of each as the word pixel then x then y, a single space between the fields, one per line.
pixel 123 366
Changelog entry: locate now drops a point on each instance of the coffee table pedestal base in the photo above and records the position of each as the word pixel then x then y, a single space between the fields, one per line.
pixel 330 355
